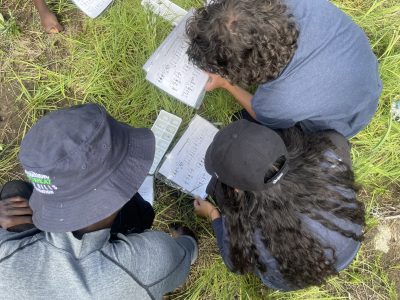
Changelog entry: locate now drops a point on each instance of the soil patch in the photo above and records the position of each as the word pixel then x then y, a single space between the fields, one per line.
pixel 385 239
pixel 9 108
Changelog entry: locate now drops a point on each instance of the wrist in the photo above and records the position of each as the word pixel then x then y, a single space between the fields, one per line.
pixel 214 214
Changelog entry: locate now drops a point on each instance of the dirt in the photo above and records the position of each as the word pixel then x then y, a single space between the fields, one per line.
pixel 9 108
pixel 386 239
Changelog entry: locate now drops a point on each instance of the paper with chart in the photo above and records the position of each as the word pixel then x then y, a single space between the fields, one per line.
pixel 184 165
pixel 164 128
pixel 170 70
pixel 166 9
pixel 92 8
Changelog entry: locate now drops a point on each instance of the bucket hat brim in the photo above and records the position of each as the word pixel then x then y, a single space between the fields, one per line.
pixel 107 197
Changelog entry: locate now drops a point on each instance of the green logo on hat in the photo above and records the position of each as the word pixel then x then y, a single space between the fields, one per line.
pixel 41 182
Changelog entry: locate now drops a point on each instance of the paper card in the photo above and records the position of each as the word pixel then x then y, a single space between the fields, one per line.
pixel 92 8
pixel 170 70
pixel 146 190
pixel 166 9
pixel 184 165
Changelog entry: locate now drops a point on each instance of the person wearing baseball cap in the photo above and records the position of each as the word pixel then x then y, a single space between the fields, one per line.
pixel 88 239
pixel 287 201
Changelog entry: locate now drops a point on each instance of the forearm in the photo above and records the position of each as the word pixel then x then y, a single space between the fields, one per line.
pixel 219 233
pixel 242 96
pixel 41 6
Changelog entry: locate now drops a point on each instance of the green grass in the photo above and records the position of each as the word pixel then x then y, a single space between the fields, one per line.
pixel 8 25
pixel 102 62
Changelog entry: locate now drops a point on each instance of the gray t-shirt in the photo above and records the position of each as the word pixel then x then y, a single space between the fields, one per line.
pixel 43 265
pixel 332 81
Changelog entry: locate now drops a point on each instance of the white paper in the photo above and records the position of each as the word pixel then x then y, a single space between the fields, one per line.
pixel 171 71
pixel 166 9
pixel 164 129
pixel 146 190
pixel 184 165
pixel 92 8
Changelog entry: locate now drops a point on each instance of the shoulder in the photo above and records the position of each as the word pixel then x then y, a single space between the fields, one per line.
pixel 150 255
pixel 11 242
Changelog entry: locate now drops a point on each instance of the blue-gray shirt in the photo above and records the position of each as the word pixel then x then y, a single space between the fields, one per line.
pixel 332 81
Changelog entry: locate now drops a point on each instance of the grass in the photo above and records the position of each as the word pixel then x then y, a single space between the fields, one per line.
pixel 101 61
pixel 8 26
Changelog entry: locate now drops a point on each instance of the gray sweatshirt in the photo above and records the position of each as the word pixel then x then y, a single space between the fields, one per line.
pixel 43 265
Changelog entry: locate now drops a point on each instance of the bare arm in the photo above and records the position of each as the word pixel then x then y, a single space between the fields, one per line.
pixel 41 6
pixel 242 96
pixel 47 18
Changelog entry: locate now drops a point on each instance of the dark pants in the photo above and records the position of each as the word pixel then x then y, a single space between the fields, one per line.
pixel 136 216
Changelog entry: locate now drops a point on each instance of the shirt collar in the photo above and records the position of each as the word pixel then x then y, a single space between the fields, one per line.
pixel 79 248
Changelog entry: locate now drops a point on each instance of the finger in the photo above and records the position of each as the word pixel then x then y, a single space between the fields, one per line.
pixel 16 199
pixel 20 211
pixel 18 204
pixel 53 30
pixel 11 222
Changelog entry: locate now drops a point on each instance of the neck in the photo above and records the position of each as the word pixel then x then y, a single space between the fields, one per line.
pixel 103 224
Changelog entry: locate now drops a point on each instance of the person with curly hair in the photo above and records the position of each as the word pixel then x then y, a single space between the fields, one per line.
pixel 289 212
pixel 312 64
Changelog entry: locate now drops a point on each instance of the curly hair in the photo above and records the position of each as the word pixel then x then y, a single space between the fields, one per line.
pixel 246 42
pixel 274 214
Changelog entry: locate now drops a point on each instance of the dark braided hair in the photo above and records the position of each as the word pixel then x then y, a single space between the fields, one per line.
pixel 246 42
pixel 275 213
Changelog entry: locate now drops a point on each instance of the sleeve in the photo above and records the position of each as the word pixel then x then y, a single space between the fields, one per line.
pixel 158 261
pixel 224 251
pixel 178 271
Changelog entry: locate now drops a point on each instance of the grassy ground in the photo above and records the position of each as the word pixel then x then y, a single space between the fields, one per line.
pixel 100 61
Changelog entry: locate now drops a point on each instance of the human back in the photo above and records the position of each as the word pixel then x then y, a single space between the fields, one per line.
pixel 304 225
pixel 332 80
pixel 60 266
pixel 313 65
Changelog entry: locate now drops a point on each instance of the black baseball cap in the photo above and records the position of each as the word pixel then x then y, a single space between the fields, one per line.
pixel 84 166
pixel 242 153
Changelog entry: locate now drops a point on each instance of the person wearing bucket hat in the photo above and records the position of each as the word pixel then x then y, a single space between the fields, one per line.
pixel 88 239
pixel 287 201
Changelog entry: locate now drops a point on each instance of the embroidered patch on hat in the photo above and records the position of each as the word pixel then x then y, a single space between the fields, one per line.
pixel 42 183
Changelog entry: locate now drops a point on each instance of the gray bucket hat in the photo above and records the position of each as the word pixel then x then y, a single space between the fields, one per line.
pixel 84 166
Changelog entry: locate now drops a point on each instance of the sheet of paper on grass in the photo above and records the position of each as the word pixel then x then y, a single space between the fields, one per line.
pixel 92 8
pixel 146 190
pixel 166 9
pixel 184 167
pixel 170 70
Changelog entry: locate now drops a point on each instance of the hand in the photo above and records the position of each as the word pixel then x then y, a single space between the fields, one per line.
pixel 215 81
pixel 205 209
pixel 14 211
pixel 50 23
pixel 177 231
